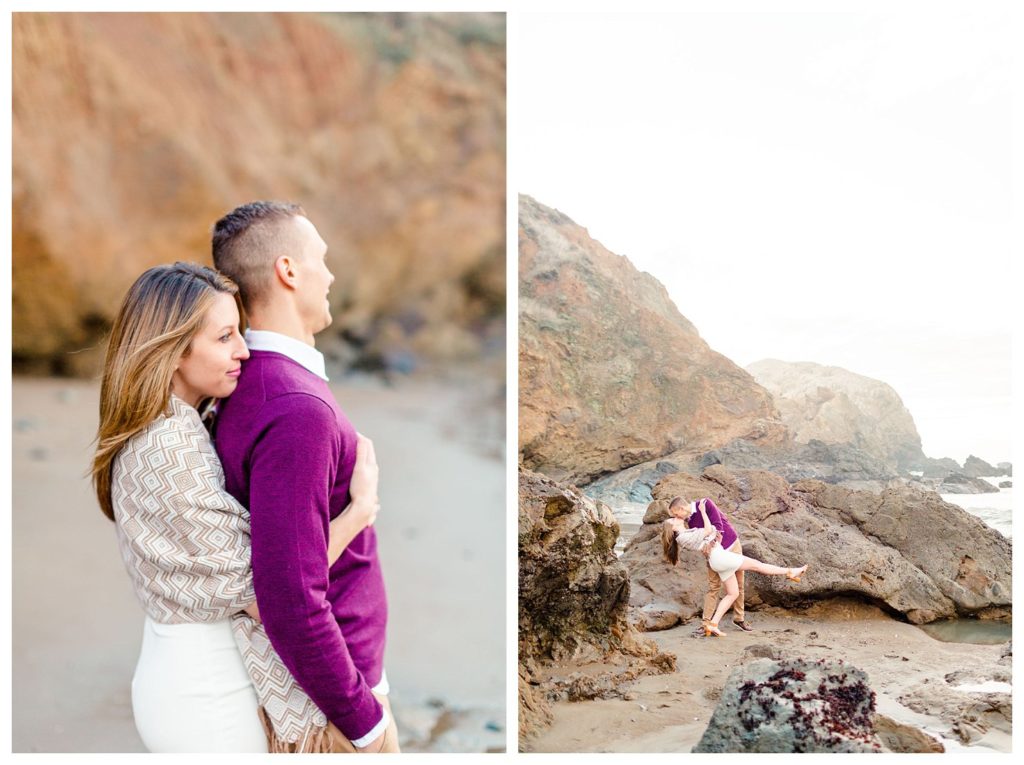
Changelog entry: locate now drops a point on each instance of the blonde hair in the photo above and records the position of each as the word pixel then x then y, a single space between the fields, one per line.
pixel 669 545
pixel 154 329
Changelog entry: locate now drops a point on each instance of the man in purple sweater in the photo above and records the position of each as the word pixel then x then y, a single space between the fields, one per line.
pixel 730 542
pixel 288 453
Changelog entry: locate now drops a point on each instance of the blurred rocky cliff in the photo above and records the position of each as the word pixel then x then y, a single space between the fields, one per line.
pixel 133 133
pixel 835 406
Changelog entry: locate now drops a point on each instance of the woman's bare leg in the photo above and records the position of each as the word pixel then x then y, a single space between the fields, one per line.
pixel 750 564
pixel 732 591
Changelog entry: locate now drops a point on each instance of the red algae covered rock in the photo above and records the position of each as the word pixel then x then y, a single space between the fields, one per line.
pixel 793 705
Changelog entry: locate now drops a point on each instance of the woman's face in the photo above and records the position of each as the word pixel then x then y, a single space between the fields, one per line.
pixel 213 364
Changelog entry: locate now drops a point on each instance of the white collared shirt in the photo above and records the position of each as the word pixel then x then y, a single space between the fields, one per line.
pixel 296 350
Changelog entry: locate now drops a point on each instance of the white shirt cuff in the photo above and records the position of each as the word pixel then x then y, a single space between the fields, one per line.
pixel 377 729
pixel 381 689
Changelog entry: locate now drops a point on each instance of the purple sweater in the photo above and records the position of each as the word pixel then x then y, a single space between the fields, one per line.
pixel 288 453
pixel 718 520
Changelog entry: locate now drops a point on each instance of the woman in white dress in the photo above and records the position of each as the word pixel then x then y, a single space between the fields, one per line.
pixel 175 345
pixel 675 534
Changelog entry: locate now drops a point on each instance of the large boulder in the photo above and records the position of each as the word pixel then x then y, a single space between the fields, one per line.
pixel 133 133
pixel 610 373
pixel 793 705
pixel 904 549
pixel 836 406
pixel 573 591
pixel 575 640
pixel 900 738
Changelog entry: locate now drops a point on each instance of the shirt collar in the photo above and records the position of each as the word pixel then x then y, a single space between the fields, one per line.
pixel 306 355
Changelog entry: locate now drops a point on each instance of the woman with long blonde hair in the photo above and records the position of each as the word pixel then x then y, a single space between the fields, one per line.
pixel 175 347
pixel 675 533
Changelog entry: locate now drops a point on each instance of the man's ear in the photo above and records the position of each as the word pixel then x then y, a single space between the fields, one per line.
pixel 284 269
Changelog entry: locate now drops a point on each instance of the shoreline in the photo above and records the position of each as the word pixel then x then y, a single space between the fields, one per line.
pixel 907 670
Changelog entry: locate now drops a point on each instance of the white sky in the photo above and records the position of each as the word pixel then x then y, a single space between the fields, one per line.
pixel 827 187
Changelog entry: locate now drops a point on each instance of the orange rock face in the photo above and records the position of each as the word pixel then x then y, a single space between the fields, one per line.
pixel 133 133
pixel 610 373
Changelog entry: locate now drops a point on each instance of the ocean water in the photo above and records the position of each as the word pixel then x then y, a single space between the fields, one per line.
pixel 993 509
pixel 630 516
pixel 978 631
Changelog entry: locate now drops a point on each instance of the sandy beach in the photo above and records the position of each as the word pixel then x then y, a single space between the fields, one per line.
pixel 919 681
pixel 77 626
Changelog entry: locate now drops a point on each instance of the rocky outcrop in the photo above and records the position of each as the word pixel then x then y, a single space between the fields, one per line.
pixel 835 406
pixel 946 476
pixel 534 707
pixel 936 468
pixel 958 483
pixel 971 713
pixel 793 705
pixel 975 467
pixel 133 133
pixel 831 463
pixel 573 592
pixel 573 601
pixel 903 549
pixel 1005 468
pixel 610 373
pixel 900 738
pixel 834 463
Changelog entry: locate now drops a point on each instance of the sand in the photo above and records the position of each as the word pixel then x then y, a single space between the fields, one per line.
pixel 668 713
pixel 77 626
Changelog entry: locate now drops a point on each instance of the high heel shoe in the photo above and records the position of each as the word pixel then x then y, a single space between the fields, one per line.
pixel 792 578
pixel 711 628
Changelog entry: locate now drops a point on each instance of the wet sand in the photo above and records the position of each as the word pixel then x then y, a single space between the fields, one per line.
pixel 669 713
pixel 77 626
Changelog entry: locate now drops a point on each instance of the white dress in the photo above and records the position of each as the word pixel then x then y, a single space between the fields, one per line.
pixel 722 562
pixel 185 544
pixel 191 691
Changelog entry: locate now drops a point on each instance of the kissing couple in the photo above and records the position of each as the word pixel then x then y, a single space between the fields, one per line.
pixel 700 525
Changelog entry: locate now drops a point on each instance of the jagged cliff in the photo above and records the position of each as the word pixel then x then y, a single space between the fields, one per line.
pixel 133 133
pixel 836 406
pixel 610 373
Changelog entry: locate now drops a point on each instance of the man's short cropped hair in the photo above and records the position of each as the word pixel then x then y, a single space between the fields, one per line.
pixel 247 241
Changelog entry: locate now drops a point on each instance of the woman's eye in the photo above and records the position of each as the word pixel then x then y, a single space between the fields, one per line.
pixel 225 338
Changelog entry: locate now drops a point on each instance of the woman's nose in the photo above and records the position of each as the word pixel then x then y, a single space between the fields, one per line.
pixel 243 350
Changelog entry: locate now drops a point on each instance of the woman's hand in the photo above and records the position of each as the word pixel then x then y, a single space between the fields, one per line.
pixel 365 474
pixel 363 509
pixel 253 611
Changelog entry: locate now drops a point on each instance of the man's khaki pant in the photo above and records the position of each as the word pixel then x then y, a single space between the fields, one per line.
pixel 343 746
pixel 715 587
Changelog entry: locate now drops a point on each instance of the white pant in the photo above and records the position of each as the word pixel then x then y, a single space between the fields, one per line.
pixel 191 693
